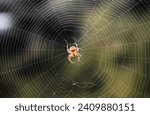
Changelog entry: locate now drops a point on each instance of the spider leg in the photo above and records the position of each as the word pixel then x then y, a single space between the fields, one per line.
pixel 76 45
pixel 69 58
pixel 68 50
pixel 78 55
pixel 67 47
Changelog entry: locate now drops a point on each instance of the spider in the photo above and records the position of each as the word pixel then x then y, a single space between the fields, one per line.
pixel 73 52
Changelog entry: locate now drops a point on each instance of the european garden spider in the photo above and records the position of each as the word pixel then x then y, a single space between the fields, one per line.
pixel 73 52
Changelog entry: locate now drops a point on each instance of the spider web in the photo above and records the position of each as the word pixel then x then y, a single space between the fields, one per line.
pixel 113 37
